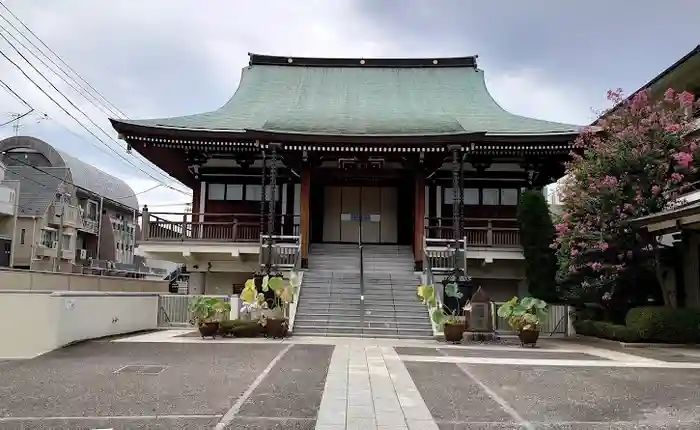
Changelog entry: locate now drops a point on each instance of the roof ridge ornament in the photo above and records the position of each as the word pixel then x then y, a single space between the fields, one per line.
pixel 273 60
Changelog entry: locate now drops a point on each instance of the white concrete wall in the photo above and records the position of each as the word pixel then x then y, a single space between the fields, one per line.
pixel 33 323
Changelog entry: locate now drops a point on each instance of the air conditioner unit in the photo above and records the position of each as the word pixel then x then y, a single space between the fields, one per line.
pixel 83 254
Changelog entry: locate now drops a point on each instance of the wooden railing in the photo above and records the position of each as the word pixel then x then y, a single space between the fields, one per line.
pixel 169 226
pixel 478 231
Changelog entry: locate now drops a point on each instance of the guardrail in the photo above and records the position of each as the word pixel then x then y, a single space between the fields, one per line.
pixel 478 231
pixel 557 321
pixel 285 249
pixel 228 227
pixel 173 309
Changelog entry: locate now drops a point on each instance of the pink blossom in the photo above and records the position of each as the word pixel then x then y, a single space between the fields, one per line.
pixel 553 245
pixel 603 245
pixel 562 228
pixel 686 99
pixel 693 146
pixel 676 177
pixel 610 181
pixel 673 128
pixel 596 266
pixel 655 189
pixel 683 159
pixel 574 252
pixel 669 95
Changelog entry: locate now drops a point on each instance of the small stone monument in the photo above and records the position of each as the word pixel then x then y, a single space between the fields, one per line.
pixel 479 313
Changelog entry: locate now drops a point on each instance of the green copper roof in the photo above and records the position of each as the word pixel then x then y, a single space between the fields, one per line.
pixel 385 98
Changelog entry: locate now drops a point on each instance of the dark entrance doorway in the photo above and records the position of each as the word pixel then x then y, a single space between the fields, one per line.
pixel 5 252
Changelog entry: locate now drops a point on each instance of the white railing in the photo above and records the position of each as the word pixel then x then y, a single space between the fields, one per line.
pixel 443 254
pixel 285 251
pixel 173 309
pixel 557 321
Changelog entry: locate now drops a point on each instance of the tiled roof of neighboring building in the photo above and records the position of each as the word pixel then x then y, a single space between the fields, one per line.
pixel 80 173
pixel 38 189
pixel 361 97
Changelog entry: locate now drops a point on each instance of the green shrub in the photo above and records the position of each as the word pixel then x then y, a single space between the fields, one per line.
pixel 240 328
pixel 606 330
pixel 589 312
pixel 664 324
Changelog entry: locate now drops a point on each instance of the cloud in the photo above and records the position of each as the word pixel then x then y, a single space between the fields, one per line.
pixel 160 58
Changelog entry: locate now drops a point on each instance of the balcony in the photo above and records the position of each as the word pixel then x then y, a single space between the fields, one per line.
pixel 211 227
pixel 46 250
pixel 88 225
pixel 71 213
pixel 7 200
pixel 480 232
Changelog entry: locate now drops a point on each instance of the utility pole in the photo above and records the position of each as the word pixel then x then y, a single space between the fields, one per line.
pixel 59 242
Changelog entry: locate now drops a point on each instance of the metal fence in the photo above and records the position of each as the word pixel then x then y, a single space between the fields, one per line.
pixel 557 320
pixel 173 312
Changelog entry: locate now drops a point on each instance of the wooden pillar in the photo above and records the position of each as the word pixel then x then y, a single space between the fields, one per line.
pixel 419 220
pixel 304 215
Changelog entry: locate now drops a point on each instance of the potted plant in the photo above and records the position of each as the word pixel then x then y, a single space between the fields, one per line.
pixel 273 315
pixel 452 328
pixel 524 316
pixel 206 314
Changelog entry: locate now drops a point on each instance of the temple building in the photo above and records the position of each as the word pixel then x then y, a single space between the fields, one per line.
pixel 334 151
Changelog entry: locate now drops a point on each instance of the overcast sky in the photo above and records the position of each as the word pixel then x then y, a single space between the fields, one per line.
pixel 157 58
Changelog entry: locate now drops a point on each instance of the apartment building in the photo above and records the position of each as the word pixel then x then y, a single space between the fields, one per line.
pixel 70 216
pixel 8 216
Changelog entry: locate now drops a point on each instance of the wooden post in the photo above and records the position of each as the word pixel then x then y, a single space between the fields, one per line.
pixel 419 221
pixel 304 215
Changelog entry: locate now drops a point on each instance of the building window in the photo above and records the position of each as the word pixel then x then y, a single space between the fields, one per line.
pixel 234 192
pixel 66 241
pixel 509 196
pixel 48 238
pixel 91 210
pixel 491 196
pixel 22 236
pixel 217 192
pixel 471 196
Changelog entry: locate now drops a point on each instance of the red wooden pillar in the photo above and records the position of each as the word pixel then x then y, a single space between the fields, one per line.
pixel 419 221
pixel 304 215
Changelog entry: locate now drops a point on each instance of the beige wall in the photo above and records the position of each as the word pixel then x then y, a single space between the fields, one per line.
pixel 26 280
pixel 7 223
pixel 222 282
pixel 66 317
pixel 23 252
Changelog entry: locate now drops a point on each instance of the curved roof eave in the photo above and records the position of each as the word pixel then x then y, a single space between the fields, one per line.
pixel 336 97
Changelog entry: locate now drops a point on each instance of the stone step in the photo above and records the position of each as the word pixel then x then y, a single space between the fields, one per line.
pixel 354 314
pixel 392 325
pixel 332 331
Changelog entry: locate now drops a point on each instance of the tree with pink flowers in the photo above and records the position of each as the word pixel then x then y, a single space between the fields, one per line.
pixel 635 163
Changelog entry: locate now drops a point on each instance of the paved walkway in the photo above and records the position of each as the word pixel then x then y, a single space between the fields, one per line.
pixel 164 381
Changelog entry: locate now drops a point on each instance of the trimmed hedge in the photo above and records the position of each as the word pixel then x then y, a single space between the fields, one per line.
pixel 665 325
pixel 240 328
pixel 606 330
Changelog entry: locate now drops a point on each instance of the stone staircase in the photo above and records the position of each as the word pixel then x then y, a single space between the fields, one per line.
pixel 329 304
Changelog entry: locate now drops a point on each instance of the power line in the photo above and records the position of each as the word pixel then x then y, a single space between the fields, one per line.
pixel 17 117
pixel 57 56
pixel 71 115
pixel 11 91
pixel 101 107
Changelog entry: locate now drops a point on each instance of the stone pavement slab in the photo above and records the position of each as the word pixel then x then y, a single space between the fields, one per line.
pixel 294 387
pixel 80 380
pixel 134 423
pixel 653 396
pixel 502 352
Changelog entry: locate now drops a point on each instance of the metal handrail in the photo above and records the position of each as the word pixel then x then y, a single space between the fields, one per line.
pixel 362 277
